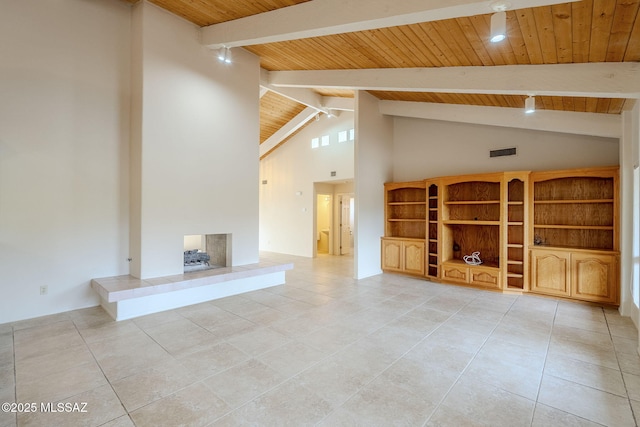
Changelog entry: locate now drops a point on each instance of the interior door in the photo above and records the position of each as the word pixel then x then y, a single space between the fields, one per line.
pixel 345 225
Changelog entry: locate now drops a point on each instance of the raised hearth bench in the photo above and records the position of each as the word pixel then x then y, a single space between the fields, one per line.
pixel 125 297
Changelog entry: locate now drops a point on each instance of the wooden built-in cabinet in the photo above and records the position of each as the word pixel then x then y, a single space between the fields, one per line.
pixel 403 255
pixel 403 248
pixel 574 233
pixel 433 240
pixel 553 233
pixel 470 222
pixel 515 232
pixel 406 205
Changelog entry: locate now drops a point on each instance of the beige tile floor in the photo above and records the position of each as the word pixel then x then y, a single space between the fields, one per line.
pixel 328 350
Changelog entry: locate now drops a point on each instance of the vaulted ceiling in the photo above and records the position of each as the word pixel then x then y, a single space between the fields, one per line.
pixel 577 32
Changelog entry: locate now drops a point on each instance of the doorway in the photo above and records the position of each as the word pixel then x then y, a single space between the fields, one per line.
pixel 347 220
pixel 334 217
pixel 323 223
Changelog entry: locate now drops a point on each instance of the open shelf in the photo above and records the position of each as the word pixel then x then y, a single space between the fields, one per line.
pixel 574 227
pixel 406 203
pixel 576 211
pixel 571 201
pixel 473 202
pixel 516 214
pixel 467 222
pixel 432 231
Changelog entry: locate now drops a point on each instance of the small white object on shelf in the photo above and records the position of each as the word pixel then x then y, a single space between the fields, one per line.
pixel 473 259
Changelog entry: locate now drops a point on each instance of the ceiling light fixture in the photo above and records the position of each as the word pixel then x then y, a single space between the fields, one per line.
pixel 224 55
pixel 530 104
pixel 499 21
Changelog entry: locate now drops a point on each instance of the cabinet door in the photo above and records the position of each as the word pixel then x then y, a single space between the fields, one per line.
pixel 455 272
pixel 413 253
pixel 391 255
pixel 593 277
pixel 550 273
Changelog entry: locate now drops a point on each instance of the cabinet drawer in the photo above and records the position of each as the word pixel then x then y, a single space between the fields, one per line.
pixel 455 272
pixel 489 277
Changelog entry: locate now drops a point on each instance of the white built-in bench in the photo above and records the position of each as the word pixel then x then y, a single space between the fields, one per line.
pixel 125 297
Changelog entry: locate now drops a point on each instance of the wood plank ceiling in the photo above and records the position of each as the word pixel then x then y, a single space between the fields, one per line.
pixel 578 32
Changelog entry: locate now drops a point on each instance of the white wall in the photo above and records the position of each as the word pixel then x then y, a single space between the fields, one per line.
pixel 429 148
pixel 373 160
pixel 287 220
pixel 198 143
pixel 630 214
pixel 64 130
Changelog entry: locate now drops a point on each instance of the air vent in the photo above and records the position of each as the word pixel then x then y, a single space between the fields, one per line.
pixel 503 152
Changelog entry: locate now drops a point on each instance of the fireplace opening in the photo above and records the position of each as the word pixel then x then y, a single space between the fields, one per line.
pixel 206 251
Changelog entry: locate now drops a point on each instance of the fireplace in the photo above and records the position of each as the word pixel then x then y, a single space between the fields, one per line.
pixel 206 251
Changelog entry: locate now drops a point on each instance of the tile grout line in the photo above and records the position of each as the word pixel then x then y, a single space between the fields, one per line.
pixel 394 361
pixel 103 373
pixel 544 365
pixel 326 358
pixel 591 386
pixel 444 396
pixel 624 382
pixel 407 352
pixel 304 370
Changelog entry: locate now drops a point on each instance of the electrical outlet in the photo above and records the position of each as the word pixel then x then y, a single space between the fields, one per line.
pixel 44 290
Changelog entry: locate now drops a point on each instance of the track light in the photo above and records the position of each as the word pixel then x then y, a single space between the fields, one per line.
pixel 499 21
pixel 498 27
pixel 530 104
pixel 224 55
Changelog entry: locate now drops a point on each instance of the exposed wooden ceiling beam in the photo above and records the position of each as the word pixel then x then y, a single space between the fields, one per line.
pixel 594 124
pixel 285 131
pixel 603 80
pixel 325 17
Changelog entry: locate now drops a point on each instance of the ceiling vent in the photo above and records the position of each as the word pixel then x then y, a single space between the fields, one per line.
pixel 503 152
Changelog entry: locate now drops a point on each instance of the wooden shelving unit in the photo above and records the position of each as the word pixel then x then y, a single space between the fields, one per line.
pixel 574 233
pixel 471 219
pixel 433 260
pixel 406 210
pixel 552 232
pixel 403 247
pixel 514 233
